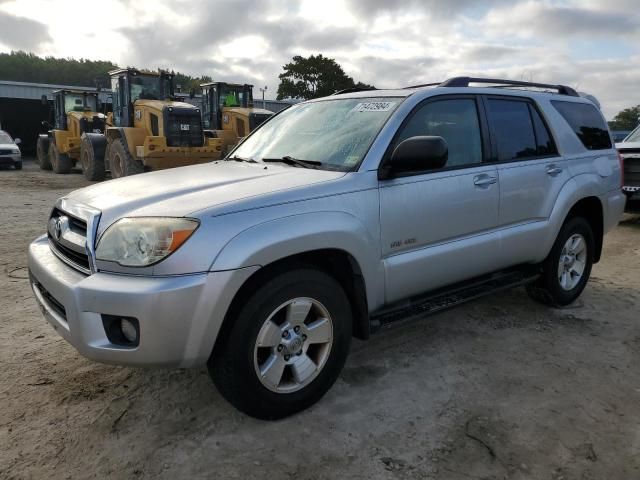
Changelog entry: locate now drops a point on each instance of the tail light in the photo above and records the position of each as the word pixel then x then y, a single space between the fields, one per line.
pixel 621 160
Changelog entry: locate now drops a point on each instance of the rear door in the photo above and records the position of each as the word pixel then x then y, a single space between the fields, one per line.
pixel 438 227
pixel 531 174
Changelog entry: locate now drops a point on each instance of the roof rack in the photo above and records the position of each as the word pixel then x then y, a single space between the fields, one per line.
pixel 354 89
pixel 465 81
pixel 422 85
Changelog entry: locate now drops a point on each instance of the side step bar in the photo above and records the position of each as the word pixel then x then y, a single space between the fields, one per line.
pixel 443 299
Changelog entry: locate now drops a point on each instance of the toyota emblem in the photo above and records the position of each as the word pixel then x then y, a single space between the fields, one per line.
pixel 61 226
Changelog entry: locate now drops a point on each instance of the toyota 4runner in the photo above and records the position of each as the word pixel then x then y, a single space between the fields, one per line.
pixel 336 218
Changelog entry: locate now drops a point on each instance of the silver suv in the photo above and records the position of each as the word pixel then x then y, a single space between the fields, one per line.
pixel 336 218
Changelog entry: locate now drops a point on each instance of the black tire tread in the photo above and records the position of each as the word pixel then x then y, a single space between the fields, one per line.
pixel 132 166
pixel 42 150
pixel 60 162
pixel 95 172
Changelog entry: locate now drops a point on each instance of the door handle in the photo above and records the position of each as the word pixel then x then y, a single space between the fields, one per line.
pixel 553 170
pixel 484 180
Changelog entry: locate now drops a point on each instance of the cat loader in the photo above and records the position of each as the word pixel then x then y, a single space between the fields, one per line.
pixel 76 134
pixel 228 113
pixel 150 130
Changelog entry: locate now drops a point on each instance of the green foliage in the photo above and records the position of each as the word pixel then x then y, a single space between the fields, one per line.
pixel 627 119
pixel 313 77
pixel 28 67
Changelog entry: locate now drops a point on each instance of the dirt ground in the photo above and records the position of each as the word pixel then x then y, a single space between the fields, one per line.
pixel 498 388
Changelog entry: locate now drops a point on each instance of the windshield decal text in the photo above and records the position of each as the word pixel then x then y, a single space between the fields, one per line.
pixel 373 107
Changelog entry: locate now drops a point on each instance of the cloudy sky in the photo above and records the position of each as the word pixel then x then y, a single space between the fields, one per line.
pixel 593 45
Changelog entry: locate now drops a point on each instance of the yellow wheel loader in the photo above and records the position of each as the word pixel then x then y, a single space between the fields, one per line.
pixel 77 134
pixel 228 113
pixel 150 130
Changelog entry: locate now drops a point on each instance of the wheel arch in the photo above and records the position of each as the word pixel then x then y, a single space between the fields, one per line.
pixel 590 208
pixel 345 251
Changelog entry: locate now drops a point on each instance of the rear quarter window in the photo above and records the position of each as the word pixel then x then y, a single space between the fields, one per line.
pixel 587 124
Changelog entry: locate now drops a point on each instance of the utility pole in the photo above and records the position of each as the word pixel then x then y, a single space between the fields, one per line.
pixel 263 90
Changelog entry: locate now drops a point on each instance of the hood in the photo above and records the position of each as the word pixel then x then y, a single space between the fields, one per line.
pixel 8 146
pixel 213 187
pixel 627 145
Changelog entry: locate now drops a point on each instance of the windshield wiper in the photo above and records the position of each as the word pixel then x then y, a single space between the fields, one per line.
pixel 295 161
pixel 240 159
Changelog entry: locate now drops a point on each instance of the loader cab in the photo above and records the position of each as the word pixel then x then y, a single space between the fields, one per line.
pixel 130 85
pixel 219 95
pixel 66 101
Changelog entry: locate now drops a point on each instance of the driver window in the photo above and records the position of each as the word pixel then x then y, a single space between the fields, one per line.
pixel 455 120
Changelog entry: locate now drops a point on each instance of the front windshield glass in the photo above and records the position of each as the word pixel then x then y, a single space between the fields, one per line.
pixel 4 138
pixel 234 96
pixel 337 133
pixel 148 87
pixel 634 136
pixel 74 102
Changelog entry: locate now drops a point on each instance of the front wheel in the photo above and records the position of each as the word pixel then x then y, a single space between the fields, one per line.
pixel 60 162
pixel 286 345
pixel 121 162
pixel 566 270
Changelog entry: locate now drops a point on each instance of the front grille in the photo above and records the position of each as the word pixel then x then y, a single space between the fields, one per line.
pixel 71 251
pixel 53 303
pixel 624 151
pixel 5 152
pixel 183 128
pixel 632 172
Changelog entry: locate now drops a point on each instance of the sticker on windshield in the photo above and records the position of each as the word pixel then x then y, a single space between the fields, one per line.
pixel 373 107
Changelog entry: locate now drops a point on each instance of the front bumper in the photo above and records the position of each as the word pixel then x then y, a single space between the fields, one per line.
pixel 10 160
pixel 179 316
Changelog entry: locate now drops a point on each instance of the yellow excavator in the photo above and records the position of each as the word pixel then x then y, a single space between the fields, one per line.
pixel 77 120
pixel 149 130
pixel 228 112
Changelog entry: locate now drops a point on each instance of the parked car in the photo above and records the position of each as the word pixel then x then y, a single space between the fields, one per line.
pixel 630 153
pixel 337 217
pixel 10 155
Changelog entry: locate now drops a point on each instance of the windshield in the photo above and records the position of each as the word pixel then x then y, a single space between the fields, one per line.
pixel 4 138
pixel 235 96
pixel 75 103
pixel 337 133
pixel 148 87
pixel 634 136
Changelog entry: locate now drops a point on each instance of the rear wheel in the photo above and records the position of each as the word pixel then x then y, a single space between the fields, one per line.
pixel 566 270
pixel 121 162
pixel 60 162
pixel 286 345
pixel 92 149
pixel 42 149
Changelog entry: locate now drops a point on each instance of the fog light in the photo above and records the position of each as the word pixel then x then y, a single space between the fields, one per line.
pixel 129 330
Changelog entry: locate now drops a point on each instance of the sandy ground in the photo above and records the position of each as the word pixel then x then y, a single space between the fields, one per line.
pixel 498 388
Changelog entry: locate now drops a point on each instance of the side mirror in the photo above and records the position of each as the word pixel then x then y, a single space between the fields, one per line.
pixel 46 125
pixel 44 100
pixel 17 141
pixel 416 154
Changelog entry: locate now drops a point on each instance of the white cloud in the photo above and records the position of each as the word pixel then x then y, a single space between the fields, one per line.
pixel 589 43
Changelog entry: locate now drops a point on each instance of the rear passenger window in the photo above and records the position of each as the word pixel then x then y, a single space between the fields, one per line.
pixel 513 129
pixel 456 121
pixel 586 122
pixel 544 142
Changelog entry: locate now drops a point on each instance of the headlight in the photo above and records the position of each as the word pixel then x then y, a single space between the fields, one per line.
pixel 143 241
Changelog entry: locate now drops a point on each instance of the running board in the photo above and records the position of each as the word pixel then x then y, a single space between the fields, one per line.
pixel 443 299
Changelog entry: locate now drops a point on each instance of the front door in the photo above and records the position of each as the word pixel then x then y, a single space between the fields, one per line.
pixel 439 227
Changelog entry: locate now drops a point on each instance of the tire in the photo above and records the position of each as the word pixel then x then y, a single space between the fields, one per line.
pixel 60 162
pixel 549 289
pixel 92 147
pixel 42 149
pixel 121 163
pixel 237 359
pixel 17 165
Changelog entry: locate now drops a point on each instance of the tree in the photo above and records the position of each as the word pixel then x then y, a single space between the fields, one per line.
pixel 627 119
pixel 313 77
